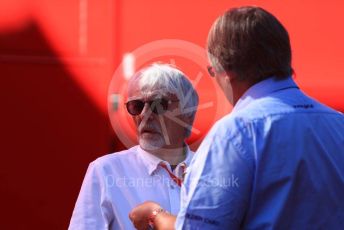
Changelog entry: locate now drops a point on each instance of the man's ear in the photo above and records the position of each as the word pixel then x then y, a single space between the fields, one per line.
pixel 230 76
pixel 227 79
pixel 188 120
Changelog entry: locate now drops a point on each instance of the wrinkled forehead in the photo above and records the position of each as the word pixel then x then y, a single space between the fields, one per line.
pixel 139 90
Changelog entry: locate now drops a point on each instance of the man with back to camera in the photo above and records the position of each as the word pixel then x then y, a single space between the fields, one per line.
pixel 163 104
pixel 283 149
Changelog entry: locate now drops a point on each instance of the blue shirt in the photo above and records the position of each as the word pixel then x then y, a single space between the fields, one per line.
pixel 275 162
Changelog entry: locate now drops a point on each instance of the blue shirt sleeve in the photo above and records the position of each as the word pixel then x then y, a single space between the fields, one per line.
pixel 217 188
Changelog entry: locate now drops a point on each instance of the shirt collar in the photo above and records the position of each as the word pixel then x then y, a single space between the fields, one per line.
pixel 262 89
pixel 152 162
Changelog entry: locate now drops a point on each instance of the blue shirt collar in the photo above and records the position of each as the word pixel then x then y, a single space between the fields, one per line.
pixel 262 89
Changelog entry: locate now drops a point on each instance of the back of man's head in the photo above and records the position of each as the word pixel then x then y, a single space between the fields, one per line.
pixel 250 42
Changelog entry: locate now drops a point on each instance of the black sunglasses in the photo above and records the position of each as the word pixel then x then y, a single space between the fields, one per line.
pixel 157 106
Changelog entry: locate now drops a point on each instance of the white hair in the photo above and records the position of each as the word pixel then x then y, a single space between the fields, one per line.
pixel 173 81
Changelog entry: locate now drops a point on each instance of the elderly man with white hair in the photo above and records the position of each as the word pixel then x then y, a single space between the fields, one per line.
pixel 163 103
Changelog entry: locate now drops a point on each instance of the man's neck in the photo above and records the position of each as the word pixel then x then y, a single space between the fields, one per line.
pixel 172 155
pixel 239 89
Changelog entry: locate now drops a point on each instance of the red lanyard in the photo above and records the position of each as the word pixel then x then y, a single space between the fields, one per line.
pixel 176 179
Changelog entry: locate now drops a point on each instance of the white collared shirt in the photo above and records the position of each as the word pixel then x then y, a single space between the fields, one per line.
pixel 116 183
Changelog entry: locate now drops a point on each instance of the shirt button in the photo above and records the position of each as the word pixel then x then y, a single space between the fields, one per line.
pixel 171 187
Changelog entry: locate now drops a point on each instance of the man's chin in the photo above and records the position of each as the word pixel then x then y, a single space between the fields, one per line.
pixel 150 144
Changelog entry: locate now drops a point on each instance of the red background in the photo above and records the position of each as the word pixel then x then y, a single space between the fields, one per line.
pixel 57 58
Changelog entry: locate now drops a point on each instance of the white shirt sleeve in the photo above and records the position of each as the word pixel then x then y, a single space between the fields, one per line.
pixel 92 209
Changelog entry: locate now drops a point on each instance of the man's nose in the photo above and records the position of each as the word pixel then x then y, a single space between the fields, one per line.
pixel 146 111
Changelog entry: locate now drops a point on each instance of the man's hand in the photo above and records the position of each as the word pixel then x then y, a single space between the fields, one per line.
pixel 140 214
